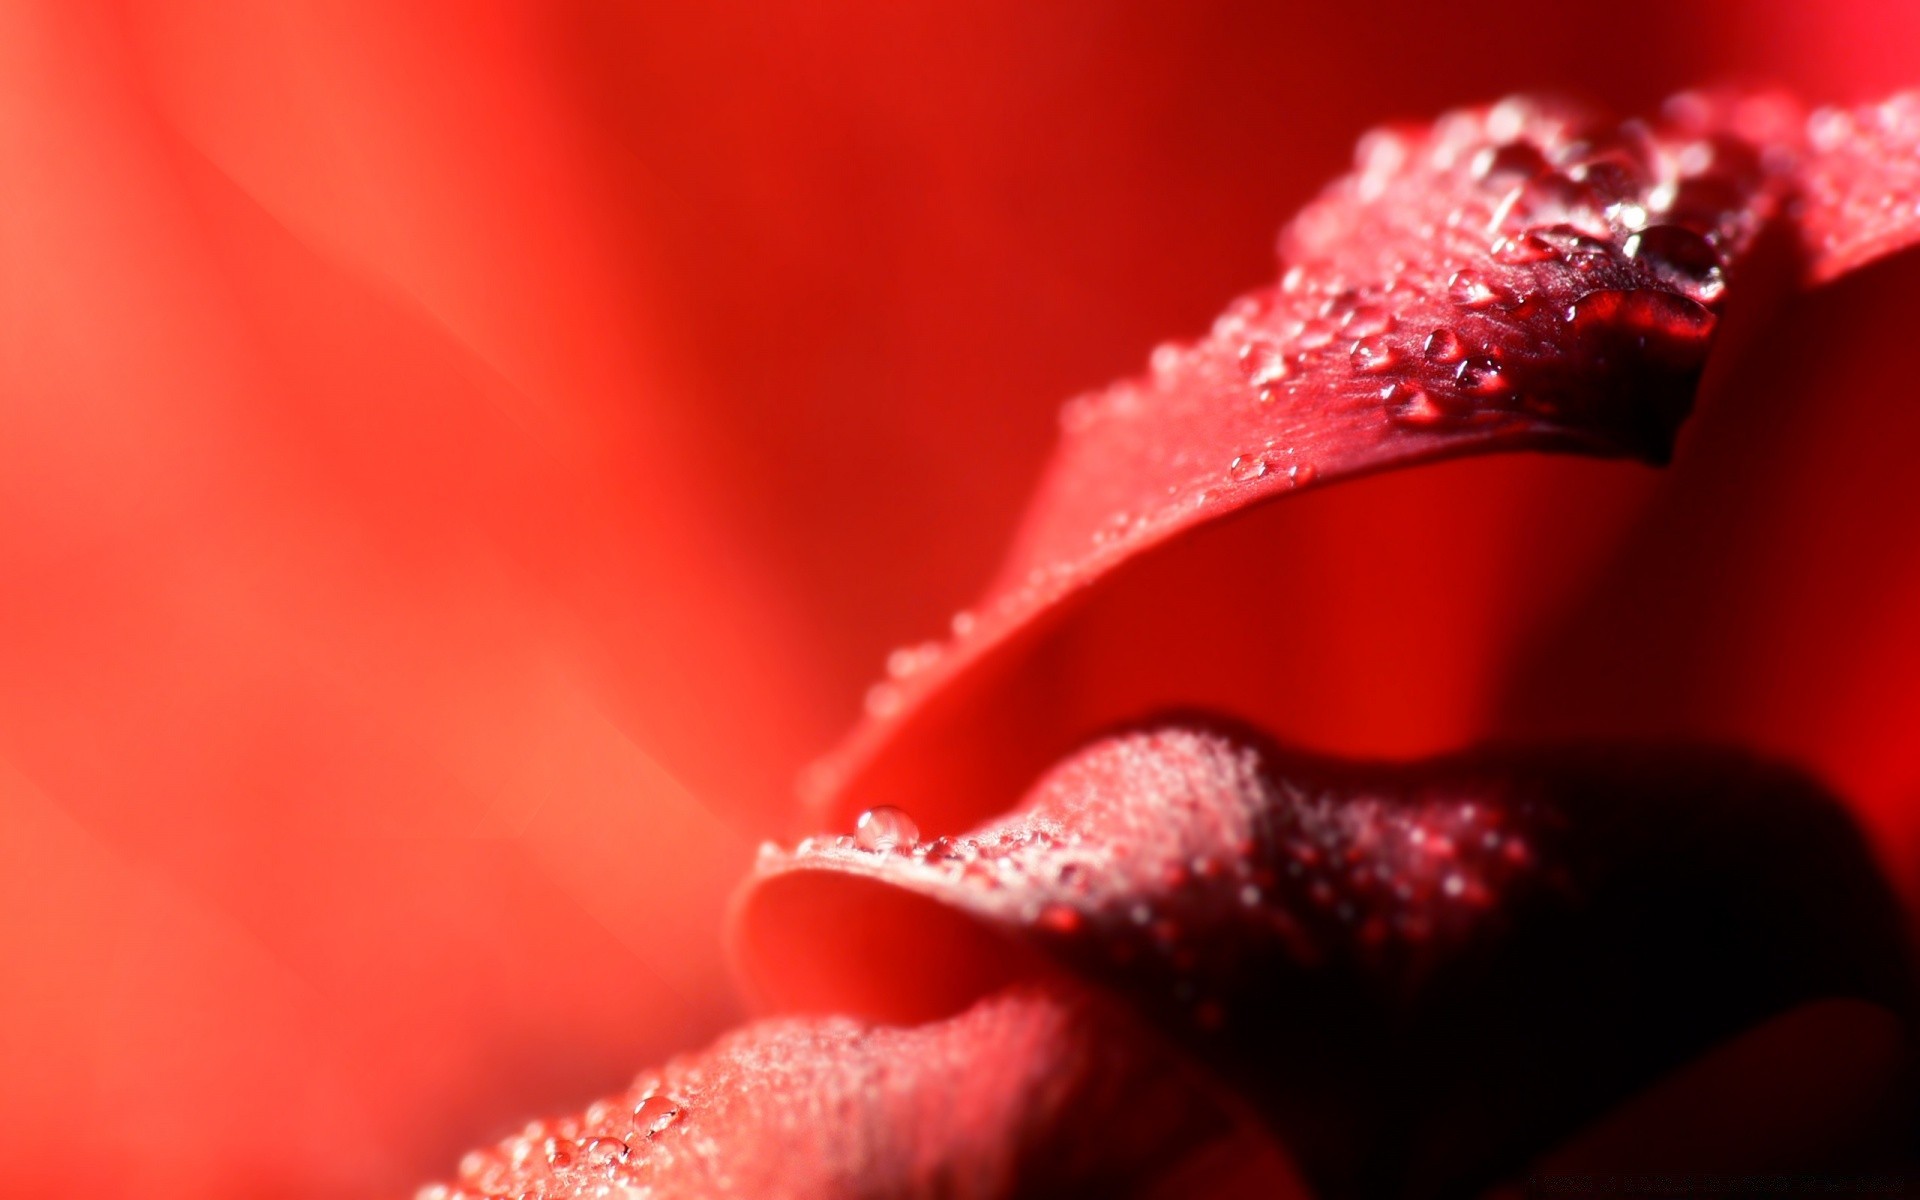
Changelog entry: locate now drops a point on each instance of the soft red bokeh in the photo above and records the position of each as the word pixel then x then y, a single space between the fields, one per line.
pixel 458 462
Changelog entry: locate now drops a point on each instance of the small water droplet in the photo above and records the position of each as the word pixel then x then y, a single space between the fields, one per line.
pixel 885 828
pixel 1681 257
pixel 1372 355
pixel 1453 884
pixel 1445 346
pixel 1527 248
pixel 1060 919
pixel 1302 474
pixel 1411 405
pixel 561 1152
pixel 655 1114
pixel 1666 327
pixel 1246 467
pixel 1514 160
pixel 1165 359
pixel 1262 363
pixel 910 660
pixel 1481 377
pixel 883 700
pixel 1470 290
pixel 1314 335
pixel 962 624
pixel 1265 396
pixel 602 1151
pixel 1367 320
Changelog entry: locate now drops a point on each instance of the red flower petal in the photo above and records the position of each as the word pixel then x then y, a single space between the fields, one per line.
pixel 1859 191
pixel 1521 277
pixel 1367 953
pixel 1030 1093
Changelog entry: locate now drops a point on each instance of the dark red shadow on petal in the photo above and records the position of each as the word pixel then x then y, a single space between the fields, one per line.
pixel 1766 595
pixel 1822 1088
pixel 1420 975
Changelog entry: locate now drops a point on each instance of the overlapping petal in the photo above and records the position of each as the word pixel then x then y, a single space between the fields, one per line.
pixel 1421 976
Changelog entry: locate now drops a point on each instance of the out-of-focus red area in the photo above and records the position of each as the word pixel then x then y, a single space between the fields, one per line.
pixel 457 460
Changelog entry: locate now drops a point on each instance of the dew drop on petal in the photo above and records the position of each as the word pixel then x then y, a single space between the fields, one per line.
pixel 1469 290
pixel 1681 257
pixel 1061 919
pixel 1372 355
pixel 1444 346
pixel 1262 364
pixel 883 700
pixel 885 828
pixel 1412 406
pixel 655 1113
pixel 1246 467
pixel 602 1151
pixel 1481 377
pixel 1367 320
pixel 1527 248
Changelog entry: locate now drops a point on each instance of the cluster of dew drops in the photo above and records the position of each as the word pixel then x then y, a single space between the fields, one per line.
pixel 1373 879
pixel 600 1154
pixel 1533 198
pixel 1550 226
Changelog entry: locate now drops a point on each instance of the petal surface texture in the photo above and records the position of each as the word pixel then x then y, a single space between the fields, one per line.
pixel 1421 975
pixel 1030 1093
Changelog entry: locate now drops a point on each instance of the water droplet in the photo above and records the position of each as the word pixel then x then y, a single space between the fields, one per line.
pixel 1515 160
pixel 910 660
pixel 885 828
pixel 1480 377
pixel 1372 355
pixel 1262 363
pixel 1073 875
pixel 1667 328
pixel 1367 320
pixel 1302 474
pixel 655 1113
pixel 962 623
pixel 561 1152
pixel 1527 248
pixel 1453 884
pixel 1265 396
pixel 602 1151
pixel 1410 405
pixel 883 700
pixel 1555 199
pixel 1682 257
pixel 1314 335
pixel 1445 346
pixel 1469 290
pixel 1060 919
pixel 1246 467
pixel 1165 359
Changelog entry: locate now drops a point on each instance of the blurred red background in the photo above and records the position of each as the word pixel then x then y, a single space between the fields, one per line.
pixel 458 461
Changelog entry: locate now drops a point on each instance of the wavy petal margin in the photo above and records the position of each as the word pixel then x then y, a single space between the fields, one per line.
pixel 1526 276
pixel 1420 975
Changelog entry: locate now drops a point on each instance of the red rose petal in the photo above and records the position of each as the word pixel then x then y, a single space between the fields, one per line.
pixel 1030 1093
pixel 1520 277
pixel 1432 971
pixel 1859 188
